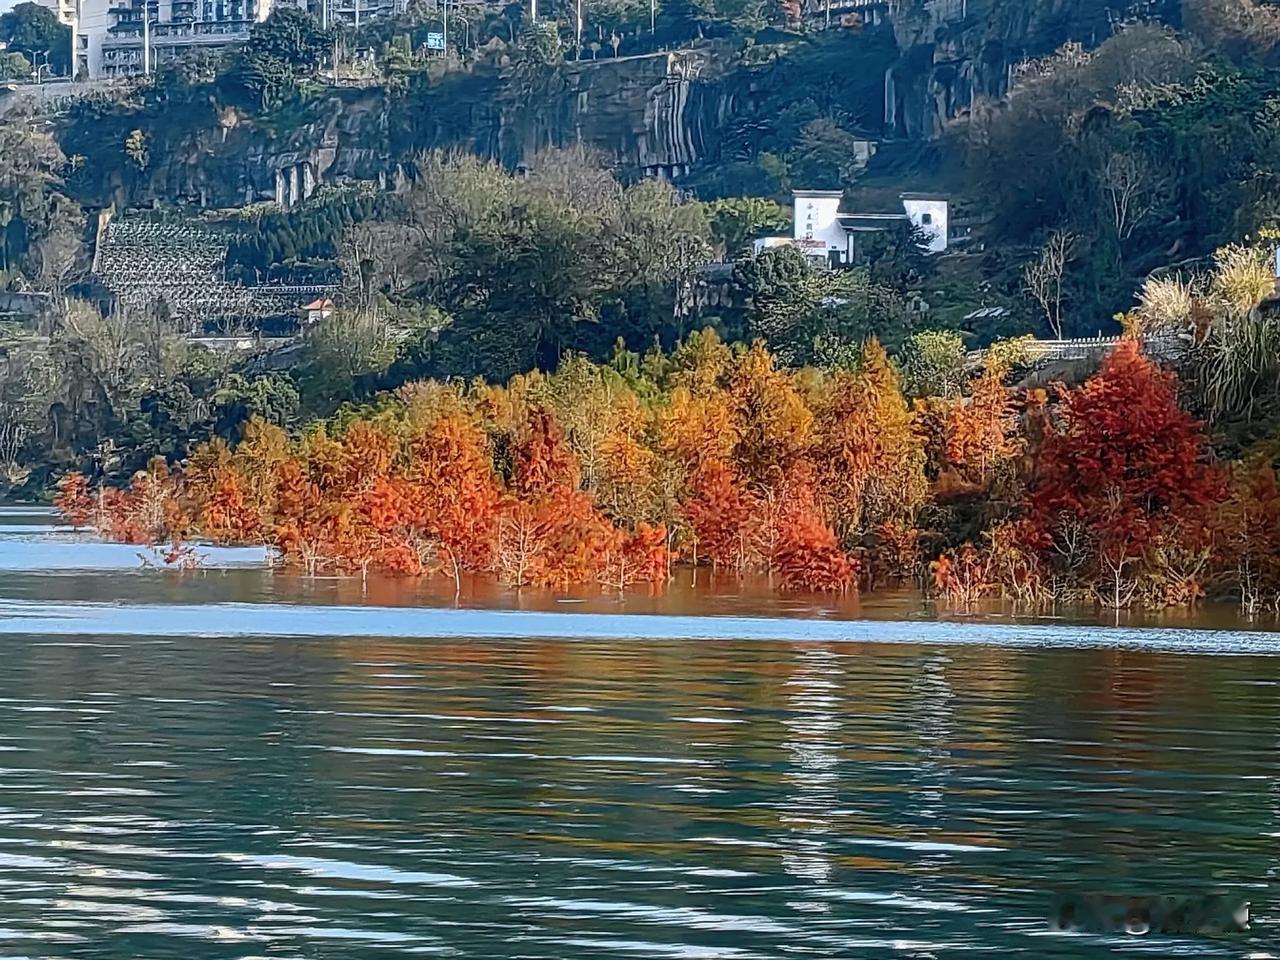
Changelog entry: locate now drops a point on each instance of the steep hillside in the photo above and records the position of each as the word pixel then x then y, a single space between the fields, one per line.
pixel 711 115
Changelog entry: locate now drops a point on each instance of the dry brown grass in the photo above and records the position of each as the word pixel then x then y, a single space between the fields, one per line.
pixel 1166 303
pixel 1242 277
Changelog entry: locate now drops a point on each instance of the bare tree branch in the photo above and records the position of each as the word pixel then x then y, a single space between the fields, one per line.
pixel 1043 277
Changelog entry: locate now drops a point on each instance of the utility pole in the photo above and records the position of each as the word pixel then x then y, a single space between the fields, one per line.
pixel 445 18
pixel 533 11
pixel 653 17
pixel 578 55
pixel 146 38
pixel 357 14
pixel 75 29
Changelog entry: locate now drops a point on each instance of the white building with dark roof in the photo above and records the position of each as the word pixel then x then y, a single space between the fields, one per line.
pixel 821 230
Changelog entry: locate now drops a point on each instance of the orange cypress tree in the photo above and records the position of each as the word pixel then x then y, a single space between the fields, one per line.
pixel 773 425
pixel 982 430
pixel 805 554
pixel 150 512
pixel 453 499
pixel 870 458
pixel 386 510
pixel 551 533
pixel 639 557
pixel 368 450
pixel 577 539
pixel 298 523
pixel 808 557
pixel 541 460
pixel 1247 529
pixel 695 427
pixel 225 515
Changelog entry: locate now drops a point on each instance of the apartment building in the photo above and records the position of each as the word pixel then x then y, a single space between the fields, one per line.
pixel 111 42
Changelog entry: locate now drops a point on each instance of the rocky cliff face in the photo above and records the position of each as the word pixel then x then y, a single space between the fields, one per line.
pixel 658 115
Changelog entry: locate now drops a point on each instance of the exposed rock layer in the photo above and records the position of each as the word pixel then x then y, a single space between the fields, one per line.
pixel 665 114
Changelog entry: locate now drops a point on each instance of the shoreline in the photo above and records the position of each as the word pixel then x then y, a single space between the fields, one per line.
pixel 287 620
pixel 88 584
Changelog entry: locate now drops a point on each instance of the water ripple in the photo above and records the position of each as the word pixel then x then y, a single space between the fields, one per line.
pixel 282 779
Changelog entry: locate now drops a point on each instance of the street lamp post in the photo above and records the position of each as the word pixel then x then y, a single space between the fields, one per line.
pixel 75 30
pixel 146 38
pixel 466 28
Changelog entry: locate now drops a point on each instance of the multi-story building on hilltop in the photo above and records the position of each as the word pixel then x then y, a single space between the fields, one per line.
pixel 111 41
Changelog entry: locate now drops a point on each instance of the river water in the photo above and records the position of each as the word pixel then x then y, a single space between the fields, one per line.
pixel 240 764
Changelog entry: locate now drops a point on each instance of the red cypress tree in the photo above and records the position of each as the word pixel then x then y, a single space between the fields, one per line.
pixel 639 557
pixel 724 516
pixel 805 553
pixel 74 500
pixel 1126 467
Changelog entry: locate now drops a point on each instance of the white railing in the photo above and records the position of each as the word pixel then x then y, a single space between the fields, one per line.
pixel 1082 348
pixel 1163 347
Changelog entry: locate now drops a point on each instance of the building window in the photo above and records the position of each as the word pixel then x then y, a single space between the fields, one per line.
pixel 926 218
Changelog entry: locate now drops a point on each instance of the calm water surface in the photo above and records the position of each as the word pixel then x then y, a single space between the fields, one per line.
pixel 194 781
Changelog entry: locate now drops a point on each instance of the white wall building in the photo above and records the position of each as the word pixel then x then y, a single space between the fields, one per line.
pixel 820 230
pixel 108 34
pixel 65 10
pixel 928 211
pixel 356 12
pixel 110 38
